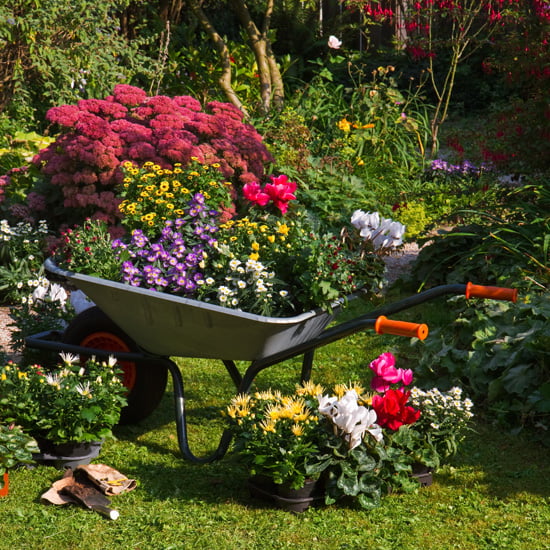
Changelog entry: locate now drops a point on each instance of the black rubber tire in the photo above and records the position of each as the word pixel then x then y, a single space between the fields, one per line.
pixel 146 382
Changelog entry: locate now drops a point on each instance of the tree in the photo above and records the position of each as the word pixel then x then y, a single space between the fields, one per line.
pixel 428 28
pixel 271 82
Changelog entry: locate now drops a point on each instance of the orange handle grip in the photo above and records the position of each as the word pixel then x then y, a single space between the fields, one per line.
pixel 493 292
pixel 383 325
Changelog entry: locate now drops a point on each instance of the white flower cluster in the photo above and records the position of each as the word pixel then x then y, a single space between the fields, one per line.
pixel 383 232
pixel 244 280
pixel 24 231
pixel 442 409
pixel 351 419
pixel 44 291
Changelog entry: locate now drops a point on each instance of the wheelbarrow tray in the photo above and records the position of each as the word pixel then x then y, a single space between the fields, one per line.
pixel 169 325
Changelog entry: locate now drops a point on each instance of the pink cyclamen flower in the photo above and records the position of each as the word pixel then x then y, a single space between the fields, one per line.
pixel 253 192
pixel 386 373
pixel 406 376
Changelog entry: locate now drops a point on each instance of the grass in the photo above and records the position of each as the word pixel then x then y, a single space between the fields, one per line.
pixel 495 494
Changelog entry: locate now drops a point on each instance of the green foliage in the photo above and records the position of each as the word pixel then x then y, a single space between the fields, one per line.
pixel 20 148
pixel 16 448
pixel 499 352
pixel 415 216
pixel 368 119
pixel 509 246
pixel 62 54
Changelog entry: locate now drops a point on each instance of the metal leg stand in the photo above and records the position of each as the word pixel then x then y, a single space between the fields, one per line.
pixel 181 422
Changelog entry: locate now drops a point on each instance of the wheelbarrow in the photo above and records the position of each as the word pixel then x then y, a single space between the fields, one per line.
pixel 143 329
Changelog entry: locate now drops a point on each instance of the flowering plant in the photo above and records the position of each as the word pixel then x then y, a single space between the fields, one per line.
pixel 75 403
pixel 275 434
pixel 47 307
pixel 22 247
pixel 360 444
pixel 191 233
pixel 16 447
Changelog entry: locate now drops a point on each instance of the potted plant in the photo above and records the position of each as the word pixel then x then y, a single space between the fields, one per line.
pixel 16 447
pixel 359 444
pixel 69 410
pixel 275 435
pixel 290 439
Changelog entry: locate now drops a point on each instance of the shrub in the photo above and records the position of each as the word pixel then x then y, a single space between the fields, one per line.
pixel 82 169
pixel 499 352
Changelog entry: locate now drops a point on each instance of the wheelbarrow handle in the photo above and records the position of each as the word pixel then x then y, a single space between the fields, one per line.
pixel 492 292
pixel 383 325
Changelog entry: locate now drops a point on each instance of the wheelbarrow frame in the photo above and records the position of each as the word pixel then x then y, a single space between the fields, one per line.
pixel 376 319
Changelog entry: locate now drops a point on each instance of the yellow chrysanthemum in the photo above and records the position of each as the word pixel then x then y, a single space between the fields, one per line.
pixel 282 228
pixel 297 430
pixel 309 388
pixel 265 395
pixel 268 426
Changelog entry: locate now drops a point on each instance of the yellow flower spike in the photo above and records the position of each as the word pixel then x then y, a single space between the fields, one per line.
pixel 254 256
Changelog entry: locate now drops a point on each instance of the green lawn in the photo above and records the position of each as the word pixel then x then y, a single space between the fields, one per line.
pixel 495 495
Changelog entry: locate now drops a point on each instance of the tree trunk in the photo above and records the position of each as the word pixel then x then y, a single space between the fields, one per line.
pixel 225 78
pixel 271 81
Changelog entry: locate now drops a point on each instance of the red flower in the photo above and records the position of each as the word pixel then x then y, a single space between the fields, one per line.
pixel 392 409
pixel 253 192
pixel 281 191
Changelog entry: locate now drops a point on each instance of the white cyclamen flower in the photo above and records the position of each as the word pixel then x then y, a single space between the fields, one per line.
pixel 58 294
pixel 352 419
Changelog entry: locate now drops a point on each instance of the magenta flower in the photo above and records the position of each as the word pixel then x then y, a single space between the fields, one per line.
pixel 281 191
pixel 253 192
pixel 386 373
pixel 406 376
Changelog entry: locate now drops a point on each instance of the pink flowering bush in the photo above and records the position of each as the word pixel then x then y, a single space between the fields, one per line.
pixel 82 169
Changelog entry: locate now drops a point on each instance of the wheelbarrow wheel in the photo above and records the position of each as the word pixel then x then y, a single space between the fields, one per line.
pixel 146 383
